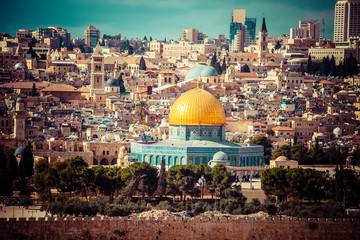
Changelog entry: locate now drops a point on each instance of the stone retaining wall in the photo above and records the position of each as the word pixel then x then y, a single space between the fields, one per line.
pixel 179 228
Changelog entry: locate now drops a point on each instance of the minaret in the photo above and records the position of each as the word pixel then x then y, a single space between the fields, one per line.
pixel 19 51
pixel 19 120
pixel 116 70
pixel 97 71
pixel 263 42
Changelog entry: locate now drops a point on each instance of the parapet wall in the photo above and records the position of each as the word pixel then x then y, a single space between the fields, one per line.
pixel 179 228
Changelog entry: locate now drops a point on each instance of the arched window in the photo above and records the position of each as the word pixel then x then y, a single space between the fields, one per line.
pixel 152 160
pixel 104 161
pixel 114 161
pixel 95 162
pixel 176 161
pixel 170 161
pixel 197 161
pixel 157 162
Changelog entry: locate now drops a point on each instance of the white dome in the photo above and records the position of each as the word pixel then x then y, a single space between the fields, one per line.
pixel 337 131
pixel 19 66
pixel 282 158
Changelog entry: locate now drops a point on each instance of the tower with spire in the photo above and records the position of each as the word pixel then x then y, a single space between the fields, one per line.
pixel 97 71
pixel 263 42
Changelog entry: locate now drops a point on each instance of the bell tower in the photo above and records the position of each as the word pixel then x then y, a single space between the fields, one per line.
pixel 19 120
pixel 263 42
pixel 97 71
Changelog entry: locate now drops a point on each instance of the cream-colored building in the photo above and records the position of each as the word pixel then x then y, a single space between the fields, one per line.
pixel 186 48
pixel 346 20
pixel 340 54
pixel 192 35
pixel 283 162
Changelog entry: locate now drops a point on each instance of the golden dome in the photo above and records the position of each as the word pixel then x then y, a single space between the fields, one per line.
pixel 197 107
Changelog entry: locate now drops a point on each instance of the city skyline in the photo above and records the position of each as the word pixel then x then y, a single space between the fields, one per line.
pixel 162 19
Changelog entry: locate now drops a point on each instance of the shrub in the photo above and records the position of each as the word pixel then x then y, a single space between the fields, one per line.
pixel 25 201
pixel 165 205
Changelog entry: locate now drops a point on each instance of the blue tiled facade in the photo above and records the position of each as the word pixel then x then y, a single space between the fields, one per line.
pixel 182 152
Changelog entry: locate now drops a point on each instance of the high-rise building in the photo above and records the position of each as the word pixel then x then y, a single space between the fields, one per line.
pixel 92 36
pixel 57 36
pixel 242 30
pixel 309 29
pixel 250 31
pixel 192 35
pixel 237 37
pixel 347 20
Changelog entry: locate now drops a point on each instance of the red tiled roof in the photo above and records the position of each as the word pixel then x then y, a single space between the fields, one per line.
pixel 257 124
pixel 280 128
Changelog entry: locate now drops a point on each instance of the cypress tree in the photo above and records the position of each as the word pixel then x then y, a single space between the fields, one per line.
pixel 213 60
pixel 332 66
pixel 121 83
pixel 26 165
pixel 33 90
pixel 162 184
pixel 223 67
pixel 309 64
pixel 130 50
pixel 142 64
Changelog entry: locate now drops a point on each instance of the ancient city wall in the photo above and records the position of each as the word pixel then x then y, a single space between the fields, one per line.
pixel 179 228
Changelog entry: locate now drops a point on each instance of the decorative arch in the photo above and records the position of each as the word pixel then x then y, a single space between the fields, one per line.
pixel 95 162
pixel 95 136
pixel 169 160
pixel 176 160
pixel 157 160
pixel 151 159
pixel 114 161
pixel 104 161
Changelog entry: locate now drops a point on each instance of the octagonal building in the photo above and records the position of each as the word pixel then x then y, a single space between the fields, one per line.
pixel 196 133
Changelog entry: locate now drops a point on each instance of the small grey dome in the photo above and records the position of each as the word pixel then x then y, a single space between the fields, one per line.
pixel 19 151
pixel 19 66
pixel 220 156
pixel 112 82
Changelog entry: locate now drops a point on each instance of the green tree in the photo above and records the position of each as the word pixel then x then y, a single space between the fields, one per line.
pixel 145 38
pixel 25 171
pixel 141 177
pixel 121 83
pixel 182 180
pixel 162 184
pixel 245 68
pixel 223 66
pixel 213 60
pixel 266 143
pixel 130 49
pixel 221 179
pixel 33 90
pixel 309 64
pixel 150 39
pixel 333 71
pixel 42 179
pixel 142 110
pixel 7 170
pixel 142 64
pixel 274 183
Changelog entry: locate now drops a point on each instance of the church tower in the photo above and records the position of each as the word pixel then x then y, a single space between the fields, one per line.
pixel 97 71
pixel 19 120
pixel 263 42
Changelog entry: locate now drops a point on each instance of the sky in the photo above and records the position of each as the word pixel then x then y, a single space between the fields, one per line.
pixel 160 18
